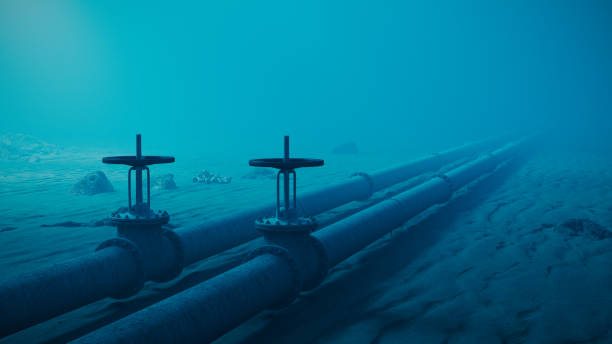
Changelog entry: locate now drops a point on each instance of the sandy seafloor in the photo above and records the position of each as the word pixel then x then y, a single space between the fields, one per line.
pixel 522 256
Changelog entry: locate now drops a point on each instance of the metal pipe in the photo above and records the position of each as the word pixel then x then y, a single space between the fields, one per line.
pixel 206 311
pixel 216 235
pixel 138 171
pixel 44 293
pixel 286 178
pixel 161 257
pixel 192 316
pixel 344 238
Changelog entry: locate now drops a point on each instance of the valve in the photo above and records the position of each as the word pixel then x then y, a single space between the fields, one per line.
pixel 286 218
pixel 139 214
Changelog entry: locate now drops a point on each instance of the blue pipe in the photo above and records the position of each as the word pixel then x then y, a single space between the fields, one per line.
pixel 191 316
pixel 219 234
pixel 160 255
pixel 208 310
pixel 66 286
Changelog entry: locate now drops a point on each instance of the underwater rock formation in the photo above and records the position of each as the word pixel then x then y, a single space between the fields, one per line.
pixel 260 173
pixel 71 224
pixel 164 182
pixel 25 147
pixel 586 228
pixel 93 183
pixel 206 177
pixel 347 148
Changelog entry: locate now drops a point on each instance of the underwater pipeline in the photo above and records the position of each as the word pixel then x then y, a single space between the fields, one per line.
pixel 292 260
pixel 119 267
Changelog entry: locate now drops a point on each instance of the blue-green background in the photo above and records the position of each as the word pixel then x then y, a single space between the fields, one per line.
pixel 233 76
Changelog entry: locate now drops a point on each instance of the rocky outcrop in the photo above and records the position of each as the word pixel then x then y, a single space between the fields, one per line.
pixel 164 182
pixel 93 183
pixel 26 148
pixel 585 228
pixel 347 148
pixel 260 173
pixel 206 177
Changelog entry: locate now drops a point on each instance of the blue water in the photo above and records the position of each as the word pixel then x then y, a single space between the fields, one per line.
pixel 217 83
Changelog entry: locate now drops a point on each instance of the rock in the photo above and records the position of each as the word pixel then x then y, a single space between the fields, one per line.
pixel 34 158
pixel 93 183
pixel 260 173
pixel 164 182
pixel 586 228
pixel 205 177
pixel 26 147
pixel 71 224
pixel 347 148
pixel 64 224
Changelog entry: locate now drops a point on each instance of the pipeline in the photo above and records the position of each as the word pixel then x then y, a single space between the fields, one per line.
pixel 217 235
pixel 290 263
pixel 120 267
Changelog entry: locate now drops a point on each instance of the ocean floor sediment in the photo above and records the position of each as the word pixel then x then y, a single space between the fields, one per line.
pixel 522 256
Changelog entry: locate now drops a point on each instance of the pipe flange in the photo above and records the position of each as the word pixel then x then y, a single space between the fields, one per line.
pixel 323 265
pixel 491 155
pixel 286 256
pixel 135 252
pixel 370 181
pixel 180 256
pixel 449 182
pixel 439 157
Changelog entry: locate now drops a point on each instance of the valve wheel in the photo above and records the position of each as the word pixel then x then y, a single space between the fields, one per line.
pixel 286 164
pixel 135 161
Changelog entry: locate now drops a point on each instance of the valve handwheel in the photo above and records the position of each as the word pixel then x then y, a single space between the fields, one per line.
pixel 281 164
pixel 135 161
pixel 139 213
pixel 286 216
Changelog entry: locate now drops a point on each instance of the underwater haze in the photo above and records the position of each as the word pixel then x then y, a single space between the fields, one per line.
pixel 235 75
pixel 520 255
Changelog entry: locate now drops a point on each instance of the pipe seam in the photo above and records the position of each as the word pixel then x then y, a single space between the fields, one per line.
pixel 284 255
pixel 439 156
pixel 370 182
pixel 174 239
pixel 449 182
pixel 323 267
pixel 135 252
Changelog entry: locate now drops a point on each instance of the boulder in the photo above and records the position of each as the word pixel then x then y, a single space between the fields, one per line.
pixel 206 177
pixel 347 148
pixel 93 183
pixel 260 173
pixel 26 148
pixel 585 228
pixel 164 182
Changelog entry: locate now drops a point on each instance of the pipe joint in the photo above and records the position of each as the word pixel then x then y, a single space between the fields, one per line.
pixel 135 252
pixel 448 181
pixel 322 267
pixel 284 255
pixel 438 157
pixel 179 251
pixel 370 181
pixel 161 252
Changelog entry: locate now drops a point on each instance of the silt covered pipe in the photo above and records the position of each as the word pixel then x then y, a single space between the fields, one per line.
pixel 206 311
pixel 44 293
pixel 190 316
pixel 219 234
pixel 49 292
